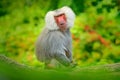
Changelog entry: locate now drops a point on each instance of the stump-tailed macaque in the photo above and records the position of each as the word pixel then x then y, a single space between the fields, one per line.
pixel 55 41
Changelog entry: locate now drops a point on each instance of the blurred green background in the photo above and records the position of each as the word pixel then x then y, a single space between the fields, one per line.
pixel 96 33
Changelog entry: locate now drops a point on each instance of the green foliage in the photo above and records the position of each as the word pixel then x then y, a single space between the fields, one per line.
pixel 96 33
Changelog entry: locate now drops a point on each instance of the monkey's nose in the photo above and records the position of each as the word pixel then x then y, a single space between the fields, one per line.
pixel 61 23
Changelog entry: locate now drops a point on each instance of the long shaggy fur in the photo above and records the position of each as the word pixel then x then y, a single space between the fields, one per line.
pixel 50 22
pixel 52 43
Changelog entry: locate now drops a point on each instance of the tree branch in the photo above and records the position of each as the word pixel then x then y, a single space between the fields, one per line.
pixel 8 61
pixel 100 68
pixel 106 67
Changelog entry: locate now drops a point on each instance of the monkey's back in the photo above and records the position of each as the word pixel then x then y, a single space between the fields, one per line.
pixel 50 43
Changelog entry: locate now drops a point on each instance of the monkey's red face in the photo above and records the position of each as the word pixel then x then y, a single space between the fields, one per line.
pixel 61 21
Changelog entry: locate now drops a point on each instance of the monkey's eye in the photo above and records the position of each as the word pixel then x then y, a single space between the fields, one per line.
pixel 60 15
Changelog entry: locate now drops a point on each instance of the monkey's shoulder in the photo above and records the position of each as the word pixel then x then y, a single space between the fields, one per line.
pixel 54 36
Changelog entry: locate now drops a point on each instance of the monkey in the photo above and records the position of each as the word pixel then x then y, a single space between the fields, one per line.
pixel 55 41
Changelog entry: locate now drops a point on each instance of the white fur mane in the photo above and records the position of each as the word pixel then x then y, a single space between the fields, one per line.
pixel 50 21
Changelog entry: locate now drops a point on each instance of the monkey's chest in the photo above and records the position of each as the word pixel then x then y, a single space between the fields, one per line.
pixel 56 42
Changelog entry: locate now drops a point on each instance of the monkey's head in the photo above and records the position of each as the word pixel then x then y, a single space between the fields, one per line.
pixel 62 19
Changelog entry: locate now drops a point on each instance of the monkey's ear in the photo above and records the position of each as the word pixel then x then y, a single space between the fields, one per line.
pixel 50 21
pixel 69 14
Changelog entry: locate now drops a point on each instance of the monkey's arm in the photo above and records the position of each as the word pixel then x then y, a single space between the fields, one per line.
pixel 62 59
pixel 68 49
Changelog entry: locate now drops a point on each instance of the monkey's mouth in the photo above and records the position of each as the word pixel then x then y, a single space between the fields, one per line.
pixel 62 27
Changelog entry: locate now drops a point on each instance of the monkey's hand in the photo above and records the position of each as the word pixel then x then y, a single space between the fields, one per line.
pixel 73 64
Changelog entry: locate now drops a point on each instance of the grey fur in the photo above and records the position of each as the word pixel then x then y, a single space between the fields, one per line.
pixel 52 44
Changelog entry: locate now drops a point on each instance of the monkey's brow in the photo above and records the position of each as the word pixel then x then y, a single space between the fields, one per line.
pixel 58 12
